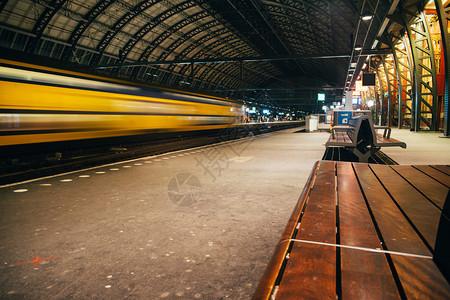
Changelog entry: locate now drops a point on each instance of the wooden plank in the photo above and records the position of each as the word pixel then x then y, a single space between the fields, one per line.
pixel 293 220
pixel 365 275
pixel 435 174
pixel 422 213
pixel 318 222
pixel 420 278
pixel 432 189
pixel 443 169
pixel 341 137
pixel 265 286
pixel 360 279
pixel 395 229
pixel 381 139
pixel 310 273
pixel 349 140
pixel 311 269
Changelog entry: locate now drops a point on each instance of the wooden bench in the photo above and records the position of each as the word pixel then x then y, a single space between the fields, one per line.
pixel 363 231
pixel 361 139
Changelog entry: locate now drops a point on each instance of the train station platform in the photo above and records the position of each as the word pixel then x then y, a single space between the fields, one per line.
pixel 422 148
pixel 192 224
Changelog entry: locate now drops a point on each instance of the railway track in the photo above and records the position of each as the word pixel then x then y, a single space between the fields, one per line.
pixel 20 167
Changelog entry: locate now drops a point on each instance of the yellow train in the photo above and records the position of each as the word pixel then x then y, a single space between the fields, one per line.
pixel 41 104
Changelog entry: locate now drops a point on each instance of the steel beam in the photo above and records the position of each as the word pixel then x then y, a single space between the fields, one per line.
pixel 392 87
pixel 383 102
pixel 403 62
pixel 242 59
pixel 425 106
pixel 394 80
pixel 40 25
pixel 444 18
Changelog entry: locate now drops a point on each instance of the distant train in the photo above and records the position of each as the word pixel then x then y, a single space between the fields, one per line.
pixel 42 104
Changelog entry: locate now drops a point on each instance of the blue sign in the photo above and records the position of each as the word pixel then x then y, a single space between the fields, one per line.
pixel 343 117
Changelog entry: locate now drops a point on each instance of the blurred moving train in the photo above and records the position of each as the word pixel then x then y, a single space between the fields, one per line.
pixel 41 104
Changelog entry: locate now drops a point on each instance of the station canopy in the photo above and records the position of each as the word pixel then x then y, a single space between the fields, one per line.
pixel 277 53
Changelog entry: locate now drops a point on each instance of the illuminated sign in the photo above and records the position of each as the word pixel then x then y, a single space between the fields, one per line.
pixel 320 97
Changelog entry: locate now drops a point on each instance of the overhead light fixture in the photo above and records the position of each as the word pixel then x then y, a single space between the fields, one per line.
pixel 367 17
pixel 358 48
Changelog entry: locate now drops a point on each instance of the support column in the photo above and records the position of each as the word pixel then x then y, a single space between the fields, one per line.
pixel 425 106
pixel 384 95
pixel 392 85
pixel 444 18
pixel 403 62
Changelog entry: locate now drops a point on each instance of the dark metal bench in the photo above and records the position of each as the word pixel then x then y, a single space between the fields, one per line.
pixel 362 231
pixel 361 139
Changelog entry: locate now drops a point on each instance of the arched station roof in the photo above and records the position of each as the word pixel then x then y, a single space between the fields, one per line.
pixel 278 51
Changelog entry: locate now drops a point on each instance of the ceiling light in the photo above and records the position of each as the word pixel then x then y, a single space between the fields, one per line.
pixel 366 17
pixel 358 48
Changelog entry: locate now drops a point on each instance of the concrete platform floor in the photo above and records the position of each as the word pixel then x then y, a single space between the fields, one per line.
pixel 196 224
pixel 422 148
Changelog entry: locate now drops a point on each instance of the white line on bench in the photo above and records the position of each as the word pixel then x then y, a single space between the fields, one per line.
pixel 358 248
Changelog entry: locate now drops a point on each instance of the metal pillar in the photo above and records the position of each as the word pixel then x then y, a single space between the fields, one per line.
pixel 425 106
pixel 392 85
pixel 444 18
pixel 403 62
pixel 384 95
pixel 377 109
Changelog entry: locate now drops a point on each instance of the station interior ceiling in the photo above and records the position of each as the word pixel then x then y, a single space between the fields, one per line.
pixel 278 53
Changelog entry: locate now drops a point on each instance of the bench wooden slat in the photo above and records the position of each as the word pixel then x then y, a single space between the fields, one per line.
pixel 423 214
pixel 414 273
pixel 434 173
pixel 395 229
pixel 381 139
pixel 364 274
pixel 444 169
pixel 385 142
pixel 293 221
pixel 421 278
pixel 361 139
pixel 308 262
pixel 340 137
pixel 360 279
pixel 310 273
pixel 267 282
pixel 434 190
